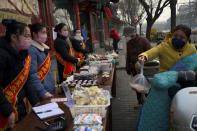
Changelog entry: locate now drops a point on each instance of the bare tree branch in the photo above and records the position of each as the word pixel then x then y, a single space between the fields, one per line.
pixel 131 11
pixel 146 6
pixel 152 12
pixel 159 9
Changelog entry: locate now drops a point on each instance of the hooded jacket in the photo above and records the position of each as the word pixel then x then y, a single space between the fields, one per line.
pixel 114 34
pixel 167 54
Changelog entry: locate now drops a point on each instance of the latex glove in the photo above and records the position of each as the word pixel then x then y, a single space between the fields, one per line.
pixel 142 59
pixel 11 120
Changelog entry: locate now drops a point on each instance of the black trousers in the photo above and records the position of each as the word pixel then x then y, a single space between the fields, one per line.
pixel 115 44
pixel 60 72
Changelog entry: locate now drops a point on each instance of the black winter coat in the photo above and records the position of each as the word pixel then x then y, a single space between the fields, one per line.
pixel 11 63
pixel 77 46
pixel 62 47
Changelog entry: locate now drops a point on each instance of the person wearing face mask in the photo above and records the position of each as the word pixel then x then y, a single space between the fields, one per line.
pixel 172 55
pixel 78 45
pixel 65 57
pixel 15 65
pixel 135 46
pixel 41 78
pixel 169 52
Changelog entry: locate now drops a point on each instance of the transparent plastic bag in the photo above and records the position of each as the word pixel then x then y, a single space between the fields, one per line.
pixel 139 82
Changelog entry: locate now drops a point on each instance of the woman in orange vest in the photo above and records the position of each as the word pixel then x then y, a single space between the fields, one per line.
pixel 14 70
pixel 41 78
pixel 65 58
pixel 78 45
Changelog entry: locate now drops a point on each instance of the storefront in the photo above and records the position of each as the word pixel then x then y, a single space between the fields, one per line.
pixel 24 11
pixel 94 15
pixel 27 11
pixel 51 12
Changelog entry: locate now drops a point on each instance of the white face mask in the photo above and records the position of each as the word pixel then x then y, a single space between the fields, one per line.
pixel 25 43
pixel 78 36
pixel 42 38
pixel 65 33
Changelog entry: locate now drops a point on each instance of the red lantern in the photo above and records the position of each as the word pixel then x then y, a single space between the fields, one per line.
pixel 108 13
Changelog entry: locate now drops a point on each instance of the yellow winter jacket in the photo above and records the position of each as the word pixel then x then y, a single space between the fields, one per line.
pixel 167 55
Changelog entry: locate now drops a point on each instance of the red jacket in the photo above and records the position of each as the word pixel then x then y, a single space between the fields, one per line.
pixel 114 34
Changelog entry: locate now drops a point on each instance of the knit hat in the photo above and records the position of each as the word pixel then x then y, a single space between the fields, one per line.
pixel 183 28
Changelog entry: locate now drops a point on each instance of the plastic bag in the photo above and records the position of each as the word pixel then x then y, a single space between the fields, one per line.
pixel 139 82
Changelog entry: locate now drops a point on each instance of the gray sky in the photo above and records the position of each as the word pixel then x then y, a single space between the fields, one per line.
pixel 166 13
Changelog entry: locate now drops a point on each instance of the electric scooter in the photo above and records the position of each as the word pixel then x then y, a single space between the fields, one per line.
pixel 184 110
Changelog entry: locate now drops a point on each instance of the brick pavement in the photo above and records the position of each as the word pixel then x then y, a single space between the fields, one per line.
pixel 124 117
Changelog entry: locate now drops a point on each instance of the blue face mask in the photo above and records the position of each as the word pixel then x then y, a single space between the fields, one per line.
pixel 178 43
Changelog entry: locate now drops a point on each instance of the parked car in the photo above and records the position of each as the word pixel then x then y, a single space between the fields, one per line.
pixel 127 30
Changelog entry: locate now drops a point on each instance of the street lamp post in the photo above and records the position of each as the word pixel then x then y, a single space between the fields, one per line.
pixel 101 25
pixel 190 14
pixel 140 29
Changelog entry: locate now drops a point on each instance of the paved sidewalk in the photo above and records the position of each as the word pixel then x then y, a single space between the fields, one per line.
pixel 124 117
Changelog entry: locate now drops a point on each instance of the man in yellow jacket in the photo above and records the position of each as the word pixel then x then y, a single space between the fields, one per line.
pixel 169 52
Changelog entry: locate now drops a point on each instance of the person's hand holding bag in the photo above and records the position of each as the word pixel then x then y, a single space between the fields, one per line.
pixel 139 82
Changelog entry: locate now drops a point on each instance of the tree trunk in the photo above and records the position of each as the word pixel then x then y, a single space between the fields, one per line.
pixel 148 29
pixel 173 13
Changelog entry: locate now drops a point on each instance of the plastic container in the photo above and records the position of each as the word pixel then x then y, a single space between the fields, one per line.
pixel 98 109
pixel 151 68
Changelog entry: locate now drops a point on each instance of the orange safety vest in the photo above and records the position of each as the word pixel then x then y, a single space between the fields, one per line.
pixel 44 68
pixel 69 67
pixel 13 88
